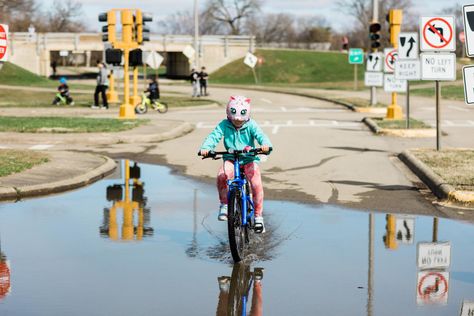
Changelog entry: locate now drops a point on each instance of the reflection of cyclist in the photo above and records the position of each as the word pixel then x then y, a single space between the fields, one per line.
pixel 4 276
pixel 153 89
pixel 239 133
pixel 231 304
pixel 63 90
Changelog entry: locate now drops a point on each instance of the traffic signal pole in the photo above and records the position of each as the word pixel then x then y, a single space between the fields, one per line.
pixel 394 111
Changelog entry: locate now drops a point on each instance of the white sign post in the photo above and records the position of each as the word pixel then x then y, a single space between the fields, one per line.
pixel 394 85
pixel 408 69
pixel 3 43
pixel 467 308
pixel 251 61
pixel 438 66
pixel 468 78
pixel 434 255
pixel 373 79
pixel 408 46
pixel 154 60
pixel 391 55
pixel 432 288
pixel 468 13
pixel 438 33
pixel 375 62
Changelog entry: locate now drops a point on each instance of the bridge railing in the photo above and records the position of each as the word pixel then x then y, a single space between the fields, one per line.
pixel 77 38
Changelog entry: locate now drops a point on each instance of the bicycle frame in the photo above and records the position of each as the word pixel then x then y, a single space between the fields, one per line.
pixel 237 184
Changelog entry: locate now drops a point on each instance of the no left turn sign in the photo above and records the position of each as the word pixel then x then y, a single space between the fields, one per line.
pixel 3 42
pixel 438 33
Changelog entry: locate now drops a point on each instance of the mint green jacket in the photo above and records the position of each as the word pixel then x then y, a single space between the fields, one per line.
pixel 236 139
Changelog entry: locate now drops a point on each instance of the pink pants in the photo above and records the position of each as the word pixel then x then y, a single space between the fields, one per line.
pixel 252 173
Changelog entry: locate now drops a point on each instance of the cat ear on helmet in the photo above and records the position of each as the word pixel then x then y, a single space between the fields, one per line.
pixel 232 98
pixel 247 100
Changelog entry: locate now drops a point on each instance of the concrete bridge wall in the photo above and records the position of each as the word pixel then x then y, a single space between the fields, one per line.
pixel 35 51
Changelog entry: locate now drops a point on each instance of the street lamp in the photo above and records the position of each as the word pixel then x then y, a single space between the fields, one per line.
pixel 196 33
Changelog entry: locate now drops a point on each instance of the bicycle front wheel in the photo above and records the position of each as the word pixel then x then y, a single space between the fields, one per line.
pixel 237 232
pixel 162 107
pixel 141 108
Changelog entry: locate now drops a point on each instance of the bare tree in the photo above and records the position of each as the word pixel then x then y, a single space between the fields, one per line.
pixel 63 16
pixel 232 13
pixel 182 22
pixel 276 28
pixel 18 14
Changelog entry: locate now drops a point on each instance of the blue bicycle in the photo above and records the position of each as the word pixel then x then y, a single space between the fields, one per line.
pixel 240 207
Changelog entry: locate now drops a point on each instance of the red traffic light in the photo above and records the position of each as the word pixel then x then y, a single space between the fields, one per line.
pixel 375 27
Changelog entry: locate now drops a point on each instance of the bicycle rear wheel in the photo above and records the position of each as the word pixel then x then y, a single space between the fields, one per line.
pixel 239 290
pixel 237 233
pixel 161 107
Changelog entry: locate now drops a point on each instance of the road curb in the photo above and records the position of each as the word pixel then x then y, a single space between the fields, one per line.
pixel 409 133
pixel 18 193
pixel 437 185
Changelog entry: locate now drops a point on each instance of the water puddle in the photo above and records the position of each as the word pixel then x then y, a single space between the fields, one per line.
pixel 154 247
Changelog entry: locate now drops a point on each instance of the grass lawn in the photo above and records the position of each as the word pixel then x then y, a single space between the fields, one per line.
pixel 456 167
pixel 14 161
pixel 452 92
pixel 66 124
pixel 23 98
pixel 291 66
pixel 399 124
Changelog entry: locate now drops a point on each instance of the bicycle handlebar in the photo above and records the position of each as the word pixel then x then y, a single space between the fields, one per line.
pixel 212 154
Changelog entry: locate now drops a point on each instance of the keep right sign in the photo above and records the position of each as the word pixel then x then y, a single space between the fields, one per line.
pixel 437 33
pixel 468 13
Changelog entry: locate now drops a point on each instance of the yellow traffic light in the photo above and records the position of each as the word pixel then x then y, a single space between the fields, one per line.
pixel 394 111
pixel 109 32
pixel 142 31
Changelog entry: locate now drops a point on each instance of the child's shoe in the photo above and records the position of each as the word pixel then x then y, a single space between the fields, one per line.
pixel 222 212
pixel 259 225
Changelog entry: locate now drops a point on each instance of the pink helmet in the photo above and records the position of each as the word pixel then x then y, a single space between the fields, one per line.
pixel 238 108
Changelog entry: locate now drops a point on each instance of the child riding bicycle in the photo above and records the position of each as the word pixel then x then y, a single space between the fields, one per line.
pixel 63 93
pixel 153 89
pixel 239 133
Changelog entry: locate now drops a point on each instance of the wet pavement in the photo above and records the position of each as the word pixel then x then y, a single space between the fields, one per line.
pixel 159 250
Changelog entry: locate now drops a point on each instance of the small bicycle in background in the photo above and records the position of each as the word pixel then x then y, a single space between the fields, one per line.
pixel 241 210
pixel 143 106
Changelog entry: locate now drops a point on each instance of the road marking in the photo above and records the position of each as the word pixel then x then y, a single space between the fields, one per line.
pixel 447 123
pixel 3 147
pixel 266 101
pixel 277 125
pixel 458 108
pixel 471 122
pixel 283 109
pixel 267 110
pixel 275 129
pixel 40 147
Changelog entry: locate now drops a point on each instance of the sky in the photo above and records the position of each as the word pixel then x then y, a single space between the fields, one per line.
pixel 326 8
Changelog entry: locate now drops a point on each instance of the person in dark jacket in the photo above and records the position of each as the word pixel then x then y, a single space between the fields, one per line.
pixel 203 78
pixel 153 89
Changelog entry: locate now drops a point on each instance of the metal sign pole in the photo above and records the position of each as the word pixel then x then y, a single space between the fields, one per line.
pixel 408 104
pixel 438 129
pixel 355 76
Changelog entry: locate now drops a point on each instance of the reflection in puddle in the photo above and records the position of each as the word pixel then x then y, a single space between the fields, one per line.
pixel 235 291
pixel 318 260
pixel 135 213
pixel 5 286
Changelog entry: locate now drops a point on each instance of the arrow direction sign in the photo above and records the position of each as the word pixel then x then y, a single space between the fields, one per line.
pixel 374 62
pixel 437 33
pixel 468 13
pixel 408 46
pixel 356 56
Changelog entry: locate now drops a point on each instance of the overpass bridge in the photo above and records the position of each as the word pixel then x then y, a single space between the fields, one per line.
pixel 36 51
